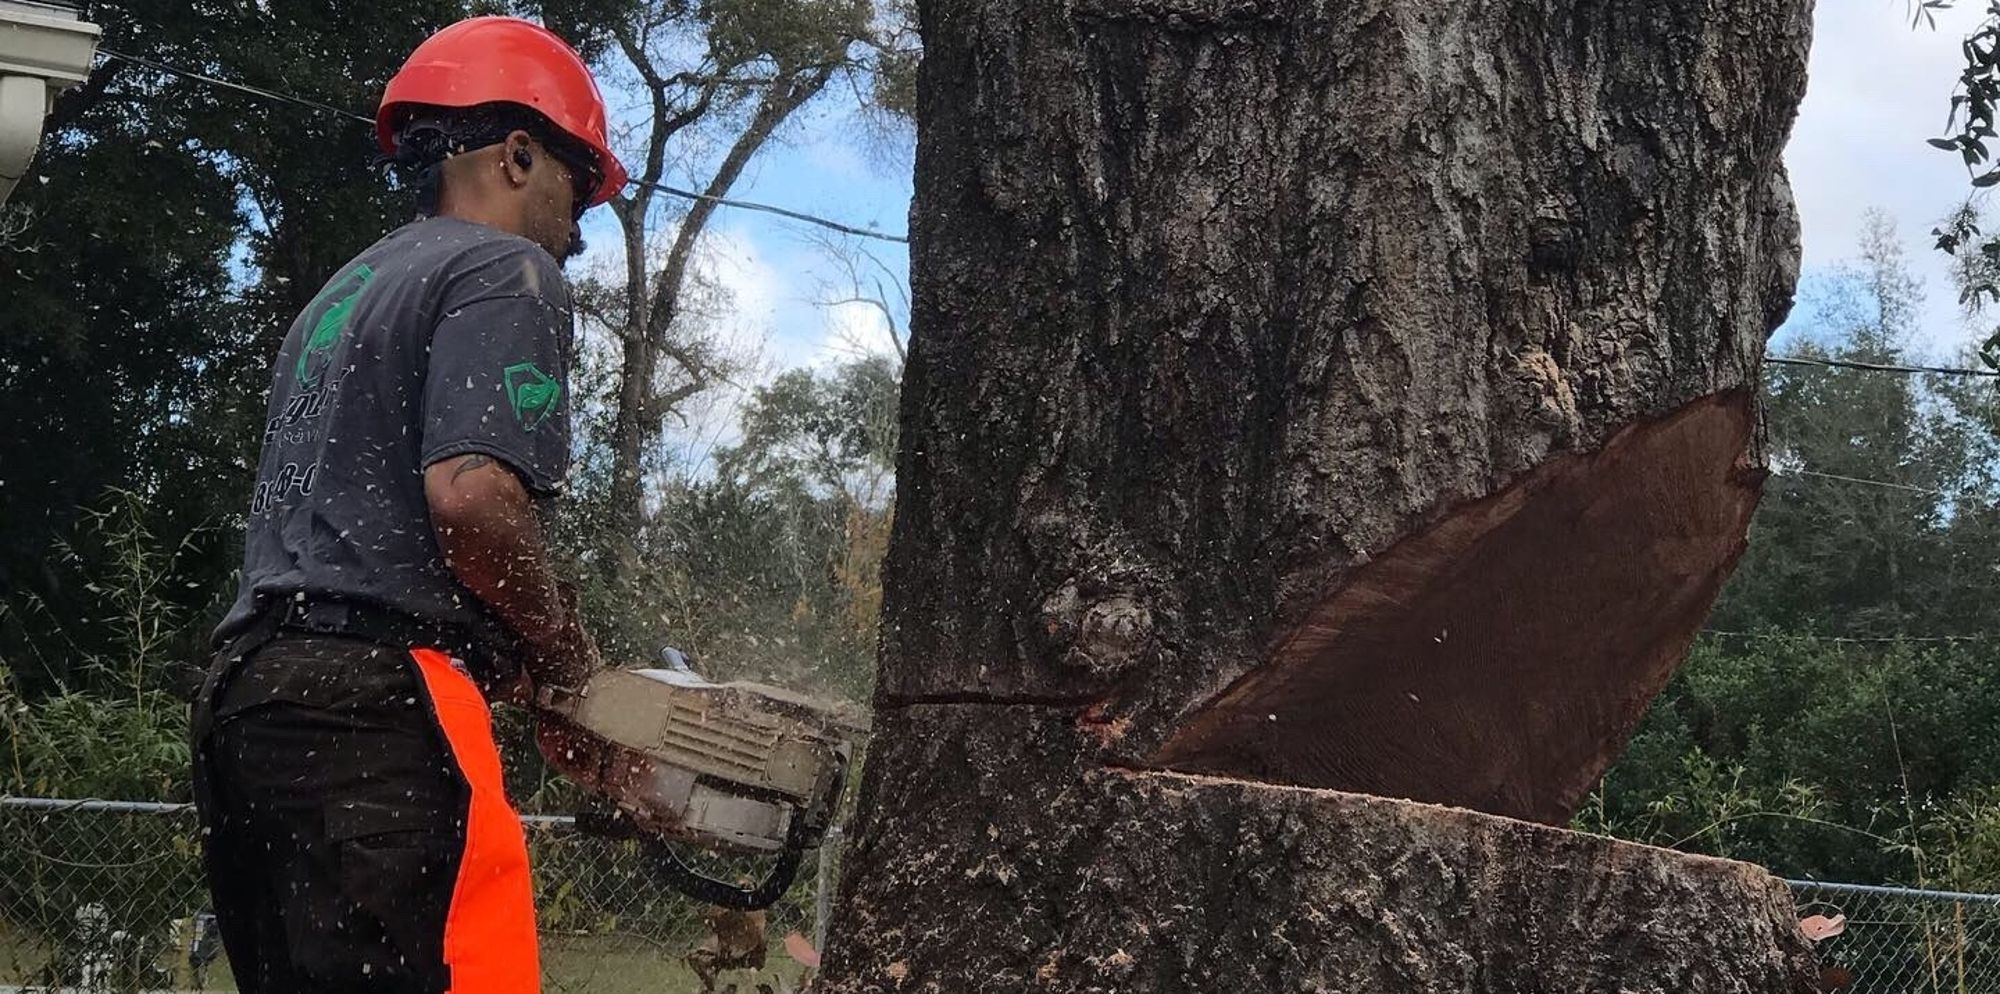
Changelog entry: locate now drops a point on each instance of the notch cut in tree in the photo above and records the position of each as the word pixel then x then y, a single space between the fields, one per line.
pixel 1308 398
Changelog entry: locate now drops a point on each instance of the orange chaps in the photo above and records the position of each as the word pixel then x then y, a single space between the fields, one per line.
pixel 489 933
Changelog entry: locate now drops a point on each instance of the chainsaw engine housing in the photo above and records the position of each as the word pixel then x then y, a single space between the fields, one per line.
pixel 732 767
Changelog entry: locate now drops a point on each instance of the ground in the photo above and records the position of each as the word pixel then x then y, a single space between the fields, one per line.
pixel 571 964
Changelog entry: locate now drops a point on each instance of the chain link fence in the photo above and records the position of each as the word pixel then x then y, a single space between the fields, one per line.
pixel 107 896
pixel 1902 941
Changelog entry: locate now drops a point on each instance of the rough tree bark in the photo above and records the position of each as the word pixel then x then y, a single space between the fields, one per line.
pixel 1309 398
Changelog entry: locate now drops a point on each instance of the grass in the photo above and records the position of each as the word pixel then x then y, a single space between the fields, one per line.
pixel 599 964
pixel 571 964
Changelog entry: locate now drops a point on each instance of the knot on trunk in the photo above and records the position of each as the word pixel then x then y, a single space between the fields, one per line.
pixel 1104 633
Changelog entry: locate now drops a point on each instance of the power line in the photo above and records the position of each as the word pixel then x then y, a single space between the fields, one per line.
pixel 1877 367
pixel 239 87
pixel 1850 639
pixel 768 209
pixel 1871 483
pixel 350 115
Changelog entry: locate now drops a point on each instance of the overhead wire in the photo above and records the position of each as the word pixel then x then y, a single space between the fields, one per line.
pixel 768 209
pixel 1849 639
pixel 238 87
pixel 1881 367
pixel 674 191
pixel 1855 479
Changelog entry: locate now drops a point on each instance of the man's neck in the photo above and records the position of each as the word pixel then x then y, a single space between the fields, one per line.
pixel 485 214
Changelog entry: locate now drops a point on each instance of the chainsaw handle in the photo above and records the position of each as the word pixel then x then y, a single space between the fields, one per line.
pixel 612 823
pixel 702 887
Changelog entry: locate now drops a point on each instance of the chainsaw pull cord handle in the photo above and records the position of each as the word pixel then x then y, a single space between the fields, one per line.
pixel 702 887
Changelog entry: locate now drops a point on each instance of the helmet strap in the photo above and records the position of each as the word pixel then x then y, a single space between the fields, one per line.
pixel 430 137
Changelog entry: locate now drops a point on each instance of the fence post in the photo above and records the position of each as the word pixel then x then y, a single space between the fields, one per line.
pixel 823 887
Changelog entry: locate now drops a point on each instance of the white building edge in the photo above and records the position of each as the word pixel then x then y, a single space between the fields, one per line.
pixel 45 48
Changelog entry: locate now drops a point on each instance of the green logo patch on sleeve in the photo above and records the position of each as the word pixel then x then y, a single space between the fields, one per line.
pixel 532 393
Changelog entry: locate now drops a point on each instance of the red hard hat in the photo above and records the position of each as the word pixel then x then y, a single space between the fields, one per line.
pixel 484 60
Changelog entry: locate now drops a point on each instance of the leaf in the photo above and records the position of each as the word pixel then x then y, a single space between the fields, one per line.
pixel 1987 179
pixel 1818 928
pixel 800 948
pixel 1947 144
pixel 1989 351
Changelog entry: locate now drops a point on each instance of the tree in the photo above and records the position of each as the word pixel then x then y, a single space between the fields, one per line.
pixel 170 233
pixel 726 72
pixel 1830 556
pixel 1975 102
pixel 115 287
pixel 767 565
pixel 1316 397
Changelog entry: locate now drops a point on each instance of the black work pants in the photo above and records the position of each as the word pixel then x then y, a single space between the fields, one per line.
pixel 348 796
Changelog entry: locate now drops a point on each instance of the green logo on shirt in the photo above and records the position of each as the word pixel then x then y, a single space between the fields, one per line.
pixel 532 392
pixel 318 351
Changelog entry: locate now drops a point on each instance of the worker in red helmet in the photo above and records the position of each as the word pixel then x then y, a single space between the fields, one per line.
pixel 395 579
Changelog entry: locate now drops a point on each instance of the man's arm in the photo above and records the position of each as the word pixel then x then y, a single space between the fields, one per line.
pixel 493 543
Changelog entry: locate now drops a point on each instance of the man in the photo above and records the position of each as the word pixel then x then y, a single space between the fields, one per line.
pixel 357 835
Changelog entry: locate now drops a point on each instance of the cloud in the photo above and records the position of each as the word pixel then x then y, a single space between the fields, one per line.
pixel 749 287
pixel 739 296
pixel 1876 89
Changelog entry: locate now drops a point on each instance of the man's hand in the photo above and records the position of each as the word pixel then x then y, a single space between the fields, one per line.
pixel 492 542
pixel 624 776
pixel 569 660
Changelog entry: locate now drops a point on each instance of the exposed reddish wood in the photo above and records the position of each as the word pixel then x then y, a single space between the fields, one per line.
pixel 1500 659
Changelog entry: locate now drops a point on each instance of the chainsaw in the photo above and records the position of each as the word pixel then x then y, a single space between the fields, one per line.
pixel 734 768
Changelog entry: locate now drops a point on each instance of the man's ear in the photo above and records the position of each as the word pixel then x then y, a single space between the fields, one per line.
pixel 517 157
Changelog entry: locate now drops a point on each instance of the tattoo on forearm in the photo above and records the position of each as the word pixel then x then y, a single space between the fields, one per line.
pixel 468 464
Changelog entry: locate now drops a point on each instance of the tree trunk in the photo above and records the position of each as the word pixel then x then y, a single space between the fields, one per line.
pixel 1356 397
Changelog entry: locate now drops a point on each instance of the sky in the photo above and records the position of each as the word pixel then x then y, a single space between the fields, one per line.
pixel 780 274
pixel 1877 89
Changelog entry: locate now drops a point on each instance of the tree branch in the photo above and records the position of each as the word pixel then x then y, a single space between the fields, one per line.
pixel 73 103
pixel 707 79
pixel 776 105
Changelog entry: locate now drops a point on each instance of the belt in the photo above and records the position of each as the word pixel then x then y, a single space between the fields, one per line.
pixel 487 660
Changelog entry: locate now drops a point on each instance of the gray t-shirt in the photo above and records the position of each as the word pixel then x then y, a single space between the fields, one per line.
pixel 444 338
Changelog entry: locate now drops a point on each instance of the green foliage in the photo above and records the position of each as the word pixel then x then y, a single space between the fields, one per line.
pixel 1840 558
pixel 787 32
pixel 1975 101
pixel 1834 737
pixel 116 349
pixel 768 567
pixel 821 435
pixel 898 53
pixel 114 724
pixel 78 744
pixel 1822 759
pixel 167 235
pixel 1961 843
